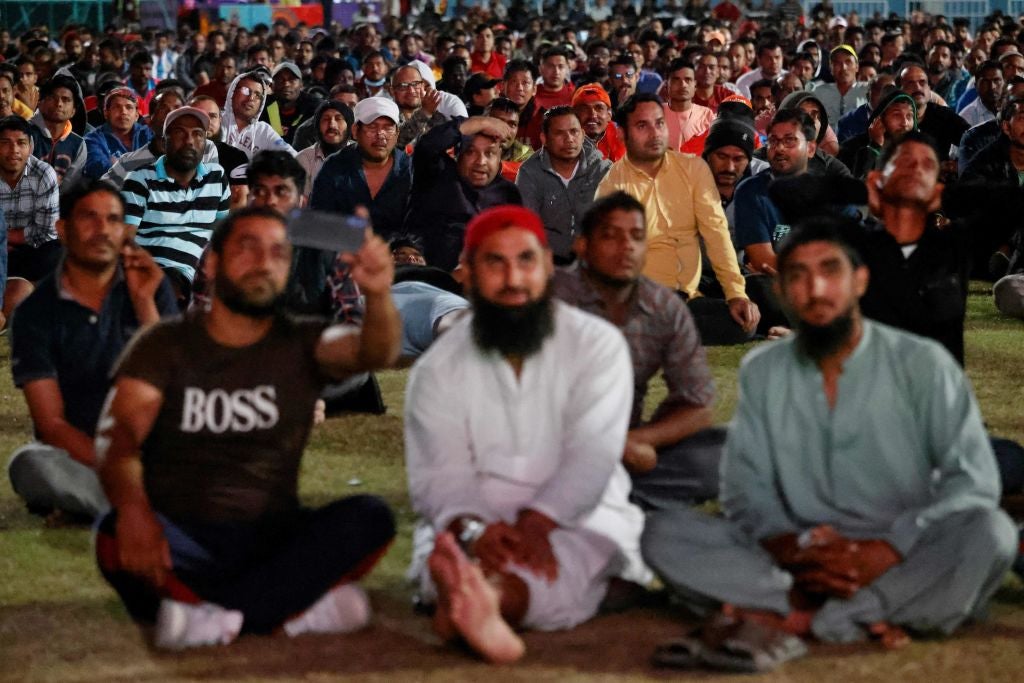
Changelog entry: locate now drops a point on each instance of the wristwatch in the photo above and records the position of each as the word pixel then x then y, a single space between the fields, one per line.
pixel 470 531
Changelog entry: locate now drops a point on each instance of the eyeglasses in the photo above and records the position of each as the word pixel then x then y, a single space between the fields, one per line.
pixel 789 142
pixel 627 74
pixel 408 85
pixel 249 92
pixel 387 128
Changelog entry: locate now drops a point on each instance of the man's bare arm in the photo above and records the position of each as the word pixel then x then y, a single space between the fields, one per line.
pixel 677 424
pixel 46 406
pixel 127 418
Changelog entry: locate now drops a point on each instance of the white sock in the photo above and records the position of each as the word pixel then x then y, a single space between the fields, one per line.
pixel 342 609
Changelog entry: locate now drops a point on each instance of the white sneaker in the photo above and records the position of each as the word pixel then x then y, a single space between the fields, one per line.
pixel 180 625
pixel 342 609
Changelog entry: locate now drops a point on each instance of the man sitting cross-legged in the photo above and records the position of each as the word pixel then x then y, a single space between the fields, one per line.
pixel 858 484
pixel 515 425
pixel 674 456
pixel 66 337
pixel 200 445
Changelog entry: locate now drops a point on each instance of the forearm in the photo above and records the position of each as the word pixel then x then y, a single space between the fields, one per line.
pixel 673 427
pixel 381 339
pixel 61 434
pixel 145 310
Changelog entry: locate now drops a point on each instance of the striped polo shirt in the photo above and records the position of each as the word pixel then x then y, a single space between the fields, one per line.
pixel 174 223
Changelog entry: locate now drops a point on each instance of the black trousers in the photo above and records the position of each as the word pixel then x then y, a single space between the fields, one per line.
pixel 269 571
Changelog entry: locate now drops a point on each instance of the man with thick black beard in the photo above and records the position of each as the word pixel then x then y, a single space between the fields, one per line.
pixel 199 447
pixel 515 426
pixel 859 487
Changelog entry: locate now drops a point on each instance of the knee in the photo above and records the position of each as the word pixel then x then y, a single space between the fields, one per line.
pixel 993 529
pixel 16 291
pixel 660 536
pixel 372 515
pixel 1009 295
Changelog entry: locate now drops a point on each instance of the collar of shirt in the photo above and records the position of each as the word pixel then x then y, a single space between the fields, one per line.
pixel 161 170
pixel 65 295
pixel 588 297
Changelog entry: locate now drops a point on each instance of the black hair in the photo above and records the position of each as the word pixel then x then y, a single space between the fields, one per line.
pixel 554 51
pixel 140 58
pixel 623 60
pixel 273 162
pixel 1012 104
pixel 985 66
pixel 15 122
pixel 630 105
pixel 70 197
pixel 838 230
pixel 800 118
pixel 893 146
pixel 405 240
pixel 599 210
pixel 765 46
pixel 503 104
pixel 682 63
pixel 222 231
pixel 519 65
pixel 554 113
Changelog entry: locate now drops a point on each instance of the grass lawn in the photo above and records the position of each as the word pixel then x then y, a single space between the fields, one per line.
pixel 60 622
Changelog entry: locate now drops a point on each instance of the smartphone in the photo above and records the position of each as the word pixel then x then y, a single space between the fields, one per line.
pixel 327 231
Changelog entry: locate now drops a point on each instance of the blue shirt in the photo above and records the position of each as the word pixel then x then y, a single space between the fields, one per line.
pixel 55 337
pixel 103 147
pixel 758 220
pixel 421 305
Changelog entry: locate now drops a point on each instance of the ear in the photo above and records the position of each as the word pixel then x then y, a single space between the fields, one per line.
pixel 861 276
pixel 812 147
pixel 579 246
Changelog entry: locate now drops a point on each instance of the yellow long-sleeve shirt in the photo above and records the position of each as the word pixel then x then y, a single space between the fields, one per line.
pixel 682 204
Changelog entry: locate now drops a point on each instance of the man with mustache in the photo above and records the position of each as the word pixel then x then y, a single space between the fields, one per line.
pixel 201 444
pixel 175 201
pixel 846 518
pixel 64 341
pixel 940 122
pixel 120 134
pixel 682 207
pixel 514 429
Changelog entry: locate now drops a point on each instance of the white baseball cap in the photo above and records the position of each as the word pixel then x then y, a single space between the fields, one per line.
pixel 199 114
pixel 372 108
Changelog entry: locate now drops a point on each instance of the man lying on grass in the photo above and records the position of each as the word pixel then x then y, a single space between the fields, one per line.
pixel 200 445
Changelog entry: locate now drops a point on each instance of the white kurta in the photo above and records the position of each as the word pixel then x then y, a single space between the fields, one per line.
pixel 480 441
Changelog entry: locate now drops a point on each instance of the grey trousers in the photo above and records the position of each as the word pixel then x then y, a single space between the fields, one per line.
pixel 948 576
pixel 47 478
pixel 686 473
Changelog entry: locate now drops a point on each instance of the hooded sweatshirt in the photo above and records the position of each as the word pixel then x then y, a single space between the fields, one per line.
pixel 67 154
pixel 254 137
pixel 312 158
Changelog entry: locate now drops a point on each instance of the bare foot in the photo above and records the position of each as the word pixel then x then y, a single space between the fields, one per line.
pixel 469 605
pixel 891 637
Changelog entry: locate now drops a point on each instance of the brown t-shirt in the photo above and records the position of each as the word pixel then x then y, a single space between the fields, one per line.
pixel 226 444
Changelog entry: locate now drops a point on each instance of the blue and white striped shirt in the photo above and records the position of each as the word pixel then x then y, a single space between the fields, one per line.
pixel 174 223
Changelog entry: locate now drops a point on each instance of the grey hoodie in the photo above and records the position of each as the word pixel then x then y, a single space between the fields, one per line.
pixel 256 136
pixel 561 206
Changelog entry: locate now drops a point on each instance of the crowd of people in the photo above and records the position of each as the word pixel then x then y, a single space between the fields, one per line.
pixel 214 238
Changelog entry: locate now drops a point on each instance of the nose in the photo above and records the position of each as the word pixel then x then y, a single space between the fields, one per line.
pixel 818 286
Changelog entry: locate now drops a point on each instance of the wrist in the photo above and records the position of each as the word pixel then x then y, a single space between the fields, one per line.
pixel 467 531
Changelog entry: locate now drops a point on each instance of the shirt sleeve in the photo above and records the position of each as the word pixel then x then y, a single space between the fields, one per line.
pixel 748 492
pixel 136 195
pixel 442 475
pixel 966 475
pixel 148 357
pixel 714 228
pixel 97 154
pixel 752 221
pixel 43 227
pixel 31 348
pixel 595 424
pixel 685 365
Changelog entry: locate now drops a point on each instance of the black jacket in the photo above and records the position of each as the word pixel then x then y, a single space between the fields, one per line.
pixel 441 202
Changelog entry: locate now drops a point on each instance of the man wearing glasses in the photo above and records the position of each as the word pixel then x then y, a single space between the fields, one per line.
pixel 417 103
pixel 241 125
pixel 622 79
